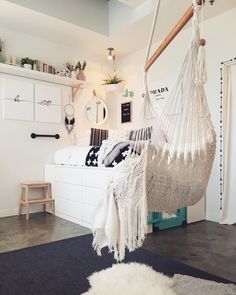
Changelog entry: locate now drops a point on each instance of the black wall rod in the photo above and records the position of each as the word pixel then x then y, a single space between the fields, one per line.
pixel 34 135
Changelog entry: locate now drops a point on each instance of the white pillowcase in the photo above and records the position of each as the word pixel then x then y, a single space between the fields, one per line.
pixel 122 135
pixel 71 155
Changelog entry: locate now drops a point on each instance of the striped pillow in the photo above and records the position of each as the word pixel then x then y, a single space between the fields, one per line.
pixel 97 136
pixel 141 134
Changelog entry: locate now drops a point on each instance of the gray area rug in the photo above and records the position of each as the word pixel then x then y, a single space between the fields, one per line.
pixel 186 285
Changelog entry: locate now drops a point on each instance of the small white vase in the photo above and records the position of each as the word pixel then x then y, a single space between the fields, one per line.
pixel 27 66
pixel 113 87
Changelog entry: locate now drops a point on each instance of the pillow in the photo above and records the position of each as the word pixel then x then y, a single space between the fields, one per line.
pixel 71 155
pixel 92 157
pixel 121 156
pixel 122 135
pixel 97 136
pixel 115 152
pixel 141 134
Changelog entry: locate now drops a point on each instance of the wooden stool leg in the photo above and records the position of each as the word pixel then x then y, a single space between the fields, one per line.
pixel 21 199
pixel 50 197
pixel 27 204
pixel 53 207
pixel 45 193
pixel 27 211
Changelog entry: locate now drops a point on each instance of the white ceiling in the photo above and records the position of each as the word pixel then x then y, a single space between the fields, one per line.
pixel 125 41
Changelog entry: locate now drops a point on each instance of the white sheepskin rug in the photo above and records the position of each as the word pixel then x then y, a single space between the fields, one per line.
pixel 130 279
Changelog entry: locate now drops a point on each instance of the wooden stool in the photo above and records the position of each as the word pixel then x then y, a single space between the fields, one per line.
pixel 47 196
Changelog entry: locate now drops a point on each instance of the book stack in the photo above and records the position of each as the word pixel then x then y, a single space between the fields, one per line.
pixel 43 67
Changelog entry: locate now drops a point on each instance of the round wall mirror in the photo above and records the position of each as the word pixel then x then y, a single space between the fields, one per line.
pixel 96 111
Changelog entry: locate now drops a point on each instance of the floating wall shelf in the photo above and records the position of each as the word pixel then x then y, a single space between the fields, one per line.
pixel 32 74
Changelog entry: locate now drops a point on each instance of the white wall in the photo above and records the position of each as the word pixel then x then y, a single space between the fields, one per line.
pixel 22 158
pixel 221 46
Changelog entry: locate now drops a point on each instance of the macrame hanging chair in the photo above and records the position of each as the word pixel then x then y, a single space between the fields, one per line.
pixel 180 155
pixel 172 169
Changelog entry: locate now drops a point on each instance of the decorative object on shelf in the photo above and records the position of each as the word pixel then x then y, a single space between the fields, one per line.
pixel 69 111
pixel 80 68
pixel 63 72
pixel 96 110
pixel 35 65
pixel 1 48
pixel 128 93
pixel 126 112
pixel 71 70
pixel 27 63
pixel 112 82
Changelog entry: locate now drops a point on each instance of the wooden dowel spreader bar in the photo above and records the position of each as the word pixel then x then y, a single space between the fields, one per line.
pixel 177 28
pixel 34 135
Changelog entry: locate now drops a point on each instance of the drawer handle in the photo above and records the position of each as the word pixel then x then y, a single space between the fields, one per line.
pixel 45 102
pixel 17 98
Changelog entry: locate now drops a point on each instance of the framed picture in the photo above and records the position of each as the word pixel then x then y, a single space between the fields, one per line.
pixel 126 112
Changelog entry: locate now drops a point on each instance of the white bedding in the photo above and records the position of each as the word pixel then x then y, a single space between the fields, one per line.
pixel 71 155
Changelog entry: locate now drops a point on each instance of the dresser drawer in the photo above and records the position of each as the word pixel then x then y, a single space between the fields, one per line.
pixel 69 175
pixel 68 191
pixel 91 196
pixel 94 177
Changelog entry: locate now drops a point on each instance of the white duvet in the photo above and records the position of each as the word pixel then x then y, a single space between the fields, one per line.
pixel 71 155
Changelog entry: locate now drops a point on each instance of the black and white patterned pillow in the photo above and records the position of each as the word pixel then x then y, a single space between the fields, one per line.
pixel 92 157
pixel 121 157
pixel 141 134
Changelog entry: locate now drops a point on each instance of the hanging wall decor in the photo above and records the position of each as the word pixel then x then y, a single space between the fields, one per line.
pixel 69 117
pixel 126 112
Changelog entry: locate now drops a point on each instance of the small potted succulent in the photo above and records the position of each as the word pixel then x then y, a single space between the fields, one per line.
pixel 112 82
pixel 27 63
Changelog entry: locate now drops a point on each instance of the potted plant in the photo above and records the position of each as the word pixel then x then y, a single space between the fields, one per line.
pixel 80 68
pixel 112 82
pixel 27 63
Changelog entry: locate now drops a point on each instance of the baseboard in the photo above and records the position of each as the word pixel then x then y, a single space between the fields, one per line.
pixel 213 217
pixel 15 211
pixel 9 212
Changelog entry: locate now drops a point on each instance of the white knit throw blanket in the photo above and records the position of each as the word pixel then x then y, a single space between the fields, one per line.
pixel 121 216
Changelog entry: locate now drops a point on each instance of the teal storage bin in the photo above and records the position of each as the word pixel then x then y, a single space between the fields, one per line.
pixel 159 222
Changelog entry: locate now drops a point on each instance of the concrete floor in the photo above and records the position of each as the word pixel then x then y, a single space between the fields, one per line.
pixel 205 245
pixel 17 233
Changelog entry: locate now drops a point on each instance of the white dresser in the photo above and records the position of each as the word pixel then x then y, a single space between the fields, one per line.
pixel 77 191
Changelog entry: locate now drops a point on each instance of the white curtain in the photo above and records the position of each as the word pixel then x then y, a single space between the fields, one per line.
pixel 229 145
